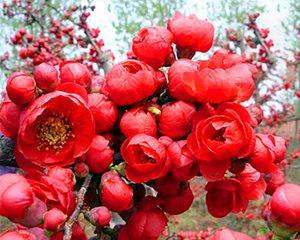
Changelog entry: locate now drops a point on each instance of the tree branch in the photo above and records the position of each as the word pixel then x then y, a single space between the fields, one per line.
pixel 80 199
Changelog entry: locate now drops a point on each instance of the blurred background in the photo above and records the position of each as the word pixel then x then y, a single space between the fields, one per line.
pixel 100 31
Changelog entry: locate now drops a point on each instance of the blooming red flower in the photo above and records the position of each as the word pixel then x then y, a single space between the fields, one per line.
pixel 46 77
pixel 192 33
pixel 252 182
pixel 138 120
pixel 105 112
pixel 285 206
pixel 184 196
pixel 225 196
pixel 9 118
pixel 54 219
pixel 268 151
pixel 99 156
pixel 153 45
pixel 145 158
pixel 115 194
pixel 16 194
pixel 17 235
pixel 175 119
pixel 146 224
pixel 183 164
pixel 226 135
pixel 72 71
pixel 100 216
pixel 20 88
pixel 130 81
pixel 55 129
pixel 229 234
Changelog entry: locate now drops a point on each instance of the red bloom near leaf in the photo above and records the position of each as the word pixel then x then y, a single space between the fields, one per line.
pixel 55 129
pixel 192 33
pixel 130 81
pixel 138 120
pixel 225 196
pixel 145 158
pixel 9 118
pixel 268 151
pixel 175 119
pixel 17 235
pixel 153 45
pixel 115 194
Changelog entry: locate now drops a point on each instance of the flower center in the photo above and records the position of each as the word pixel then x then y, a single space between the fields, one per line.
pixel 219 135
pixel 53 132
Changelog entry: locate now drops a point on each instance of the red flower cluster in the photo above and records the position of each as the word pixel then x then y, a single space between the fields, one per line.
pixel 140 138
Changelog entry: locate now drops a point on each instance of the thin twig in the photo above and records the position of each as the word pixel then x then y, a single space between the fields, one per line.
pixel 75 214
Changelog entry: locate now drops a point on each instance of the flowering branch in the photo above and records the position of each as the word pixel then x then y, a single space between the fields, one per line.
pixel 75 214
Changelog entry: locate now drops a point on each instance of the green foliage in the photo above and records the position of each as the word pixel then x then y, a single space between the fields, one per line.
pixel 132 15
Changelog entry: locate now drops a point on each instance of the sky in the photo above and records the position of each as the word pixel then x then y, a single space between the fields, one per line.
pixel 102 18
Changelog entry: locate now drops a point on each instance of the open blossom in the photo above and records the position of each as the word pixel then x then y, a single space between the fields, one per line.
pixel 153 45
pixel 55 129
pixel 130 81
pixel 145 158
pixel 190 32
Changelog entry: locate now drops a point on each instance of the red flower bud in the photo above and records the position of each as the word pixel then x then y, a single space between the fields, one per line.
pixel 105 112
pixel 46 77
pixel 9 118
pixel 99 156
pixel 20 88
pixel 71 71
pixel 274 180
pixel 81 169
pixel 130 81
pixel 54 219
pixel 175 119
pixel 115 194
pixel 17 235
pixel 138 120
pixel 153 45
pixel 100 216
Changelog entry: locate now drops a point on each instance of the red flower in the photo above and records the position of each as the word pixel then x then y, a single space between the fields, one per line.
pixel 17 235
pixel 153 45
pixel 226 135
pixel 252 182
pixel 77 233
pixel 228 234
pixel 146 224
pixel 175 119
pixel 20 88
pixel 130 81
pixel 138 120
pixel 63 174
pixel 99 156
pixel 70 87
pixel 100 216
pixel 105 112
pixel 15 194
pixel 145 158
pixel 115 194
pixel 55 191
pixel 268 151
pixel 9 118
pixel 55 129
pixel 161 81
pixel 192 33
pixel 169 203
pixel 46 77
pixel 183 164
pixel 274 180
pixel 54 219
pixel 72 71
pixel 285 206
pixel 225 196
